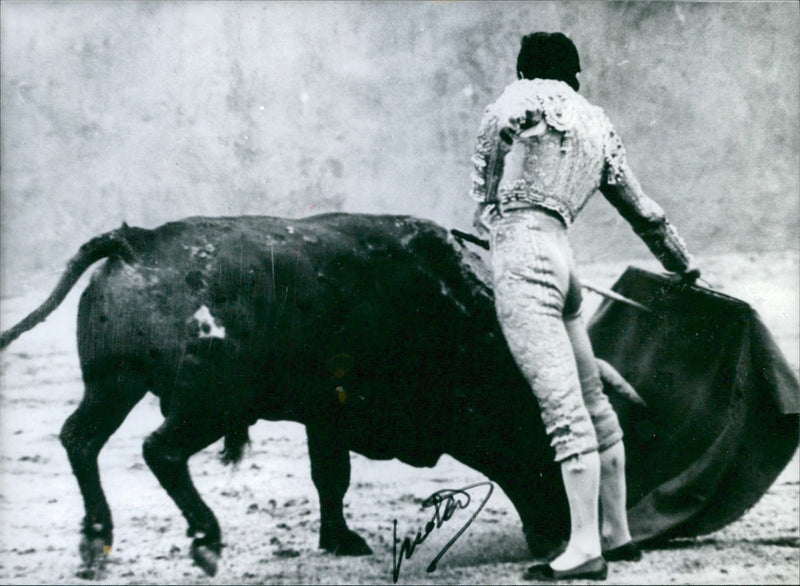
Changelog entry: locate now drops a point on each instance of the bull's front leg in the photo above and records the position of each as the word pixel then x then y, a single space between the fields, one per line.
pixel 330 471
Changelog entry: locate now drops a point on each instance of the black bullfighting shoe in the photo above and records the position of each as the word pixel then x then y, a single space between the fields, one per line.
pixel 628 552
pixel 594 569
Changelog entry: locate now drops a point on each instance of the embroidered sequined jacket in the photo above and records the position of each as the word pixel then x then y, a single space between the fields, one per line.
pixel 543 144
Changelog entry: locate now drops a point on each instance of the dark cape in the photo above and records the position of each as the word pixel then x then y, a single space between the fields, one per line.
pixel 721 420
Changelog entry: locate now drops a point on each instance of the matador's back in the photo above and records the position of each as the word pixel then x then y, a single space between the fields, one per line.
pixel 559 148
pixel 541 144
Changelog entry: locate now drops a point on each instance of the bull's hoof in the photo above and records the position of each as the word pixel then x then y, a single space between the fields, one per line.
pixel 94 552
pixel 206 556
pixel 345 543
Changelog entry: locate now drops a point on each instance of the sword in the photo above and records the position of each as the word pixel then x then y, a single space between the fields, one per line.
pixel 615 296
pixel 461 236
pixel 470 238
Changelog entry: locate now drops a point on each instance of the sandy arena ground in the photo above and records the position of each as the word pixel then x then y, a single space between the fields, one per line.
pixel 268 506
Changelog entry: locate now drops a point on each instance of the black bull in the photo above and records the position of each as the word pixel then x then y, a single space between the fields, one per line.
pixel 377 333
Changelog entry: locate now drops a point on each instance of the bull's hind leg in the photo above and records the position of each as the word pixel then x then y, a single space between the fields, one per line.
pixel 330 471
pixel 167 452
pixel 107 401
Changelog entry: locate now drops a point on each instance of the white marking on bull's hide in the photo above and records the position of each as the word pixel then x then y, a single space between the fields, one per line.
pixel 209 326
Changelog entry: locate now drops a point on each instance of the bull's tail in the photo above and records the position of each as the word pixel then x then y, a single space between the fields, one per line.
pixel 103 246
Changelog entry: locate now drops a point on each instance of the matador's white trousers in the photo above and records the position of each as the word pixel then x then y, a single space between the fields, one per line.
pixel 538 302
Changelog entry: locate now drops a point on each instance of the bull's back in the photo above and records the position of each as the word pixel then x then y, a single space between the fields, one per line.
pixel 292 299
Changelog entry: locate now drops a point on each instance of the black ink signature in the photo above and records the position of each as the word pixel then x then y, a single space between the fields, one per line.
pixel 452 500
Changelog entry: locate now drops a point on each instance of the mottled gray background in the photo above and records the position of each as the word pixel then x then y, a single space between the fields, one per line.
pixel 149 112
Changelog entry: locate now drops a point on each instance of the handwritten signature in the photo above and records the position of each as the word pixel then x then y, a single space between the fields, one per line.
pixel 445 503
